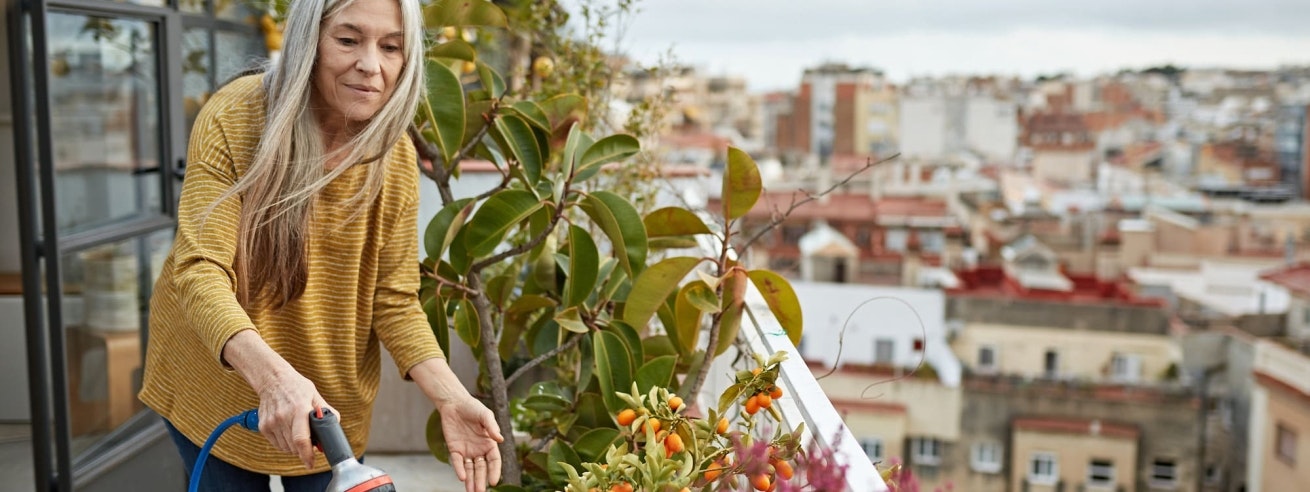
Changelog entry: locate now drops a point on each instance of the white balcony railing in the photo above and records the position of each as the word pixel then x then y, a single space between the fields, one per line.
pixel 806 402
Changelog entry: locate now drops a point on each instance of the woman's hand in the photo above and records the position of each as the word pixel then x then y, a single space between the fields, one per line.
pixel 285 397
pixel 471 435
pixel 285 402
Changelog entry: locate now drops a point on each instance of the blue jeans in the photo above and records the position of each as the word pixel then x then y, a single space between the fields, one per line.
pixel 220 476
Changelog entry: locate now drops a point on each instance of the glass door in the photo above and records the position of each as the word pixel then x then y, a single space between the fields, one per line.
pixel 95 169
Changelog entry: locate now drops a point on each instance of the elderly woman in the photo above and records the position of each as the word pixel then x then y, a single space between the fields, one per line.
pixel 296 253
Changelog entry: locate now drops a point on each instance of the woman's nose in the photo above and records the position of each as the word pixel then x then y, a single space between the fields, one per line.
pixel 369 61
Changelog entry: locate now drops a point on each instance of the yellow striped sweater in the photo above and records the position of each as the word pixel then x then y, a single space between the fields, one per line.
pixel 362 288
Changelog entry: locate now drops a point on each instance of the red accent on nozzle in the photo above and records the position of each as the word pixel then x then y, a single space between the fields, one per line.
pixel 371 484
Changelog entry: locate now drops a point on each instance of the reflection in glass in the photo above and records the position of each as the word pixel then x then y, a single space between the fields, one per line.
pixel 106 299
pixel 191 6
pixel 237 52
pixel 196 69
pixel 105 119
pixel 235 10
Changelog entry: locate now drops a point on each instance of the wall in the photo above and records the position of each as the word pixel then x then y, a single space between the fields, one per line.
pixel 923 123
pixel 1063 166
pixel 1082 354
pixel 991 127
pixel 1052 314
pixel 1292 410
pixel 1074 453
pixel 931 409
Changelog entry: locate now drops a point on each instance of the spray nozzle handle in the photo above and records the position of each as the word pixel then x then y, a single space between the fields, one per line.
pixel 326 434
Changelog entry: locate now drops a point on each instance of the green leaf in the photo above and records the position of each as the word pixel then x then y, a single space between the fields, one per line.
pixel 570 150
pixel 436 438
pixel 782 301
pixel 609 149
pixel 441 230
pixel 516 321
pixel 463 13
pixel 702 296
pixel 584 267
pixel 730 396
pixel 653 286
pixel 561 453
pixel 657 372
pixel 474 119
pixel 467 325
pixel 459 255
pixel 662 243
pixel 673 221
pixel 544 335
pixel 631 340
pixel 496 217
pixel 533 114
pixel 522 143
pixel 569 319
pixel 688 319
pixel 436 311
pixel 741 184
pixel 591 446
pixel 498 290
pixel 694 364
pixel 491 80
pixel 658 346
pixel 564 108
pixel 734 301
pixel 612 368
pixel 547 396
pixel 592 412
pixel 456 49
pixel 621 223
pixel 446 98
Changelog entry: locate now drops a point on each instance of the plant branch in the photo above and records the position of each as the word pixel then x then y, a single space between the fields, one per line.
pixel 778 218
pixel 525 247
pixel 716 321
pixel 438 173
pixel 541 359
pixel 452 284
pixel 512 470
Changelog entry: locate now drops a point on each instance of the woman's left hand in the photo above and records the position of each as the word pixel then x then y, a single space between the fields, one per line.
pixel 471 435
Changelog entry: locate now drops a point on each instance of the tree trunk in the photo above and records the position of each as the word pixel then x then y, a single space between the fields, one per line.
pixel 511 470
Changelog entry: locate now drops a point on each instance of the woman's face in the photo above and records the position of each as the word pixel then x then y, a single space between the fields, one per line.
pixel 360 54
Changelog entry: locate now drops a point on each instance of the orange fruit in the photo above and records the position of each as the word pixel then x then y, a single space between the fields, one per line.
pixel 755 371
pixel 653 425
pixel 776 393
pixel 765 400
pixel 761 482
pixel 723 425
pixel 673 444
pixel 784 470
pixel 621 487
pixel 713 471
pixel 627 416
pixel 675 403
pixel 685 489
pixel 752 405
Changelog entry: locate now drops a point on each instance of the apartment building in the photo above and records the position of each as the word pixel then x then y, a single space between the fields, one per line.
pixel 837 110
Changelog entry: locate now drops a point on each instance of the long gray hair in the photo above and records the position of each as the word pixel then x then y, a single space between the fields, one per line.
pixel 289 167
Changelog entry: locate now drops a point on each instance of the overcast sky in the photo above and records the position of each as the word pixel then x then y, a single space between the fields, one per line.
pixel 770 42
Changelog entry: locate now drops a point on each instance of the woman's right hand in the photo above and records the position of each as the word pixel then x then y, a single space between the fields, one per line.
pixel 285 403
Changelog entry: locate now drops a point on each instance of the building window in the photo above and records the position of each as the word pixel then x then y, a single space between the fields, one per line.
pixel 872 447
pixel 863 237
pixel 1126 368
pixel 1285 444
pixel 926 451
pixel 1043 469
pixel 1213 474
pixel 883 350
pixel 1164 472
pixel 985 457
pixel 896 240
pixel 1051 364
pixel 1305 315
pixel 987 359
pixel 932 241
pixel 1100 472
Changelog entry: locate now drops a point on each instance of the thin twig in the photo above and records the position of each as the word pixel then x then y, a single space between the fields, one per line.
pixel 450 283
pixel 541 359
pixel 504 183
pixel 779 218
pixel 438 173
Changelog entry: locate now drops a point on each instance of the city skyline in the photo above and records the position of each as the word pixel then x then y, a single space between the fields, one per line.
pixel 1007 37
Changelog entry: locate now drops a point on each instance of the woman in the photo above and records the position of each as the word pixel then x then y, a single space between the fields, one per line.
pixel 296 253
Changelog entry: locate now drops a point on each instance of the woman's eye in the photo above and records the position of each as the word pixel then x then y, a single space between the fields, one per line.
pixel 391 48
pixel 346 41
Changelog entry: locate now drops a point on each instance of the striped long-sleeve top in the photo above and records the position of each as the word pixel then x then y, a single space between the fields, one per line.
pixel 362 288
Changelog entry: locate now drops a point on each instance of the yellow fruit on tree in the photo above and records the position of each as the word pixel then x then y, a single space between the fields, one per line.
pixel 675 403
pixel 627 416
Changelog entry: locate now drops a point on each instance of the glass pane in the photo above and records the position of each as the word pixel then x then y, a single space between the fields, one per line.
pixel 106 298
pixel 149 3
pixel 16 454
pixel 235 10
pixel 191 6
pixel 237 52
pixel 196 71
pixel 105 119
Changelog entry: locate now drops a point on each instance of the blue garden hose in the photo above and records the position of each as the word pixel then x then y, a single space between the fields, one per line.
pixel 248 419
